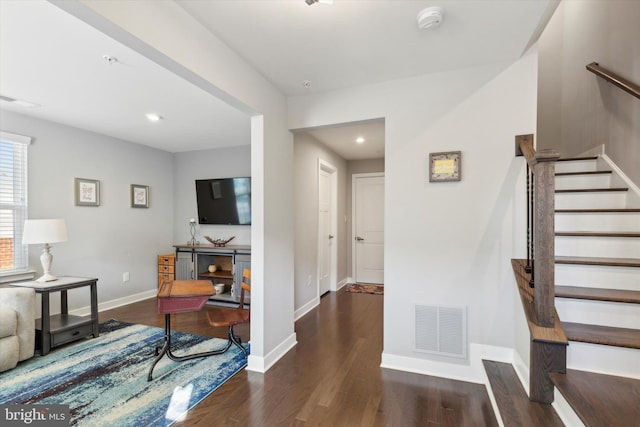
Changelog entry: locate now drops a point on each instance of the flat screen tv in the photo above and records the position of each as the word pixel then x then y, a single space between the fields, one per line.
pixel 224 201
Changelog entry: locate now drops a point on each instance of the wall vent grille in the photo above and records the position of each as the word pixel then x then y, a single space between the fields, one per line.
pixel 441 330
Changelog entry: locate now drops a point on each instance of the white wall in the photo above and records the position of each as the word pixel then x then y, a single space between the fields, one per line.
pixel 446 243
pixel 110 239
pixel 307 152
pixel 578 110
pixel 205 164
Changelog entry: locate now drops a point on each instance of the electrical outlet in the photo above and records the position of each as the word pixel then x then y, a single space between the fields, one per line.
pixel 125 277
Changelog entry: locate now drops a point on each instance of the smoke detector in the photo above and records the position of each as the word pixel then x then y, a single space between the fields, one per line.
pixel 430 17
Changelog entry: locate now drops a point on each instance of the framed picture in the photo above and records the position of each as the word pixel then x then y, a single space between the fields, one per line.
pixel 139 196
pixel 445 166
pixel 87 192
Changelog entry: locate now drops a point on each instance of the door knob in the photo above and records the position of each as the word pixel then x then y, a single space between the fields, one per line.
pixel 359 239
pixel 330 236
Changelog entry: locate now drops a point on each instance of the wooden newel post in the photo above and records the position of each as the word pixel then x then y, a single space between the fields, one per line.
pixel 544 236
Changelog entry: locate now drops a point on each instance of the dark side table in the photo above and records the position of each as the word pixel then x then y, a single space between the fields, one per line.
pixel 52 331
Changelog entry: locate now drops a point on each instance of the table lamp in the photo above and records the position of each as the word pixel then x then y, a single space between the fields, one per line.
pixel 44 231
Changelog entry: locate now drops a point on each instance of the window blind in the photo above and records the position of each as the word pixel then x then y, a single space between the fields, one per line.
pixel 13 201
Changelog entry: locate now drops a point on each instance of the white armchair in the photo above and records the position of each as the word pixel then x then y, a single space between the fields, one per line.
pixel 17 328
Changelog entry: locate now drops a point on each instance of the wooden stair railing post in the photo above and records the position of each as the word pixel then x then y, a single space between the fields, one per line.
pixel 548 341
pixel 544 236
pixel 543 165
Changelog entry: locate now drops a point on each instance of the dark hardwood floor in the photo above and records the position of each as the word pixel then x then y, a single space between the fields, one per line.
pixel 331 377
pixel 515 407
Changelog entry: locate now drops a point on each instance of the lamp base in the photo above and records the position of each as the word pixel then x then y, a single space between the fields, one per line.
pixel 47 278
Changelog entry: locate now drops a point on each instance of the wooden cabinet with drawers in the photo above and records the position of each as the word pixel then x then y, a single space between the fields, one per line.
pixel 166 267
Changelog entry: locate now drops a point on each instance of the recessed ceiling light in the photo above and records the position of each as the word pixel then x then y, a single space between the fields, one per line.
pixel 360 140
pixel 153 117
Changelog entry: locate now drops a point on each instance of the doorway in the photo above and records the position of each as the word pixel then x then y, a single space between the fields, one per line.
pixel 327 228
pixel 368 228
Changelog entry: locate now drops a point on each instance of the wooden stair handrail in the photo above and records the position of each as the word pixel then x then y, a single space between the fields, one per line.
pixel 612 77
pixel 542 163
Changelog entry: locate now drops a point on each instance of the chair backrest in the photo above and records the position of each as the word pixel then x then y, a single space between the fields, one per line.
pixel 246 284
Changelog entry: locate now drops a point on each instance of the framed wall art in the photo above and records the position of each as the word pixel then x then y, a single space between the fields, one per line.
pixel 445 166
pixel 139 196
pixel 87 192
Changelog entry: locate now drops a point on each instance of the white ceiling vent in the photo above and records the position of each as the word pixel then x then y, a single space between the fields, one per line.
pixel 441 330
pixel 430 17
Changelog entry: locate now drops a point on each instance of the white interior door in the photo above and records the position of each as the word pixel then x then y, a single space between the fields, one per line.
pixel 326 228
pixel 368 226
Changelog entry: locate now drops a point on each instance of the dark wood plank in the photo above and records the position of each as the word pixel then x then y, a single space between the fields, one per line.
pixel 601 400
pixel 605 335
pixel 576 159
pixel 588 211
pixel 613 262
pixel 331 377
pixel 513 403
pixel 583 173
pixel 598 234
pixel 598 294
pixel 593 190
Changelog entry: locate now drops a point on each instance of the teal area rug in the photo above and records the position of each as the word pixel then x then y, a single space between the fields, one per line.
pixel 104 380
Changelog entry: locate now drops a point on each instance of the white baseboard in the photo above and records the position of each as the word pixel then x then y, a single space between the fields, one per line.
pixel 470 370
pixel 297 314
pixel 262 364
pixel 522 371
pixel 108 305
pixel 598 150
pixel 633 199
pixel 341 284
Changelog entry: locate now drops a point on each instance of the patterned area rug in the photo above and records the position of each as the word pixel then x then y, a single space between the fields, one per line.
pixel 104 380
pixel 365 288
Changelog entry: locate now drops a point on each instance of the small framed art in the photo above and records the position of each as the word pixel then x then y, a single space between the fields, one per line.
pixel 445 166
pixel 139 196
pixel 87 192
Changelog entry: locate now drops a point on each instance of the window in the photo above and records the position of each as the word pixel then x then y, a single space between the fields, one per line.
pixel 14 256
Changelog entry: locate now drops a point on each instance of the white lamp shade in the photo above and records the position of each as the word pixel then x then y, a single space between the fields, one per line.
pixel 44 231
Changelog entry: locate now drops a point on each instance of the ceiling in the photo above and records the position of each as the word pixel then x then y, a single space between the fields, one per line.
pixel 50 58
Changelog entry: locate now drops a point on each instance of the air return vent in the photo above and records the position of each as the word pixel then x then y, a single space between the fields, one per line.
pixel 441 330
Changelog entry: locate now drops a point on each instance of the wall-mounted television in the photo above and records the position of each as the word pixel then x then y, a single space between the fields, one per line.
pixel 224 201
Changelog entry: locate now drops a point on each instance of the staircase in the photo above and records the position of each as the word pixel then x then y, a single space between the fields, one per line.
pixel 597 276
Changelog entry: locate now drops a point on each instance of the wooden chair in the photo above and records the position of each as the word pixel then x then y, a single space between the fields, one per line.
pixel 229 317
